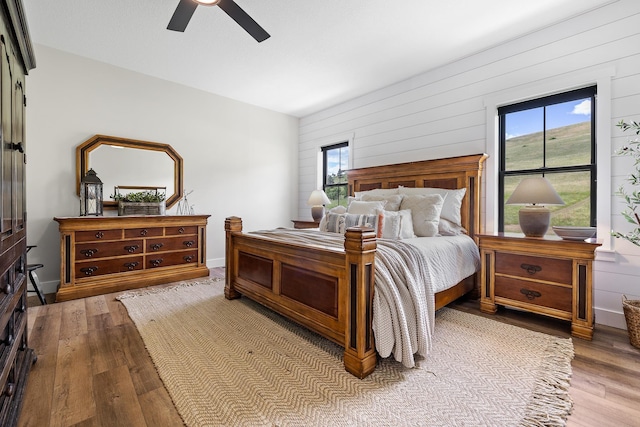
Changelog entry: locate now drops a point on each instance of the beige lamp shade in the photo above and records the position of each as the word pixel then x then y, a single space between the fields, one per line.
pixel 317 200
pixel 535 192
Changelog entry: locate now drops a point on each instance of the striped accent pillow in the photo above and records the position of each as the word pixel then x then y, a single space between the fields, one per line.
pixel 338 223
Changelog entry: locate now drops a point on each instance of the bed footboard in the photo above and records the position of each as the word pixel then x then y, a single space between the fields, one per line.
pixel 327 291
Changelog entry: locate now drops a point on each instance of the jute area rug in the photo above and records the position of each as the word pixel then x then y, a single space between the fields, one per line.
pixel 235 363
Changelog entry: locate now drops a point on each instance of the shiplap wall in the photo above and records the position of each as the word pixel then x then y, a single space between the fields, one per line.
pixel 447 112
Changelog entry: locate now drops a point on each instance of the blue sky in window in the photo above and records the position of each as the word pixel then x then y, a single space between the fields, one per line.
pixel 558 115
pixel 337 159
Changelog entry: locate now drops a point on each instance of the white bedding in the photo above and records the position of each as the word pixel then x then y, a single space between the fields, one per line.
pixel 452 258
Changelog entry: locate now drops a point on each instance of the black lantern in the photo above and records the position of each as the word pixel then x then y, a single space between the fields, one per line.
pixel 91 194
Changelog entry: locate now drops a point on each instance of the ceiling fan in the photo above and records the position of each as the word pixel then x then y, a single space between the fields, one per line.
pixel 185 10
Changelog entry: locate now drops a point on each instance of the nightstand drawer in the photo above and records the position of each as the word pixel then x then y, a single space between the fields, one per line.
pixel 533 267
pixel 558 297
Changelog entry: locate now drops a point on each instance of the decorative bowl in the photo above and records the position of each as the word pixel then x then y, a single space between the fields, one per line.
pixel 574 233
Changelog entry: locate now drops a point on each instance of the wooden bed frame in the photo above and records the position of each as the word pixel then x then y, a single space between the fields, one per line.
pixel 331 291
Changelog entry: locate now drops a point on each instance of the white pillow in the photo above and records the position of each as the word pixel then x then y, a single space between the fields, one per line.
pixel 452 200
pixel 359 207
pixel 447 228
pixel 398 225
pixel 393 200
pixel 377 192
pixel 425 212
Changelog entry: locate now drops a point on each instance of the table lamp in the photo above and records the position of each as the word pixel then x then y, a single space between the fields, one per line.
pixel 534 193
pixel 317 200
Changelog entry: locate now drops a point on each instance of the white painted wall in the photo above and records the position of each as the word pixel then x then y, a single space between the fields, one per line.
pixel 239 159
pixel 449 111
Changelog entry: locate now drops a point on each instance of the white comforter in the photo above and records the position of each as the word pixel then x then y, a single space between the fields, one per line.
pixel 407 275
pixel 404 298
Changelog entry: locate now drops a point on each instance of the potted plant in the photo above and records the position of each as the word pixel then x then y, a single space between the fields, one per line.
pixel 631 197
pixel 146 202
pixel 631 308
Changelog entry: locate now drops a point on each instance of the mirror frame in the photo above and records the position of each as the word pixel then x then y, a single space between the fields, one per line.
pixel 82 162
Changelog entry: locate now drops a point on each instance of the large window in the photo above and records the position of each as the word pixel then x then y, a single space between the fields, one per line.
pixel 335 162
pixel 552 137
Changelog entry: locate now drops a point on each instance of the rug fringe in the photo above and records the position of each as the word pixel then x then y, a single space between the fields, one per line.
pixel 154 290
pixel 550 403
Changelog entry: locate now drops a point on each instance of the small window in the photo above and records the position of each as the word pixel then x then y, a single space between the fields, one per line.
pixel 552 137
pixel 335 161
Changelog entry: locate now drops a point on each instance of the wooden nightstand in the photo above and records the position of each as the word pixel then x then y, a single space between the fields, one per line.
pixel 300 223
pixel 548 276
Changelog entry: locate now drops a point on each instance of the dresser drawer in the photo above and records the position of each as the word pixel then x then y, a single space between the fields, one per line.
pixel 143 232
pixel 171 243
pixel 10 296
pixel 542 294
pixel 534 267
pixel 99 267
pixel 98 235
pixel 171 258
pixel 172 231
pixel 108 249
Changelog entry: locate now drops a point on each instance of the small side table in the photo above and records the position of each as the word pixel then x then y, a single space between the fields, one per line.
pixel 301 223
pixel 547 276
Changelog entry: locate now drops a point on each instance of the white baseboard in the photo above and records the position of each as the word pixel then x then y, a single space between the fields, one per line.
pixel 614 319
pixel 50 287
pixel 215 262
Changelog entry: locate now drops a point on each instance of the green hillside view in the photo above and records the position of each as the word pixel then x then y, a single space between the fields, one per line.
pixel 567 145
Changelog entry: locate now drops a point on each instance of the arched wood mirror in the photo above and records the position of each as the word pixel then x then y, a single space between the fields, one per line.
pixel 126 162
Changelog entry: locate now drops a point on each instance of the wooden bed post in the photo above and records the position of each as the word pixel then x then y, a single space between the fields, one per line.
pixel 359 349
pixel 231 225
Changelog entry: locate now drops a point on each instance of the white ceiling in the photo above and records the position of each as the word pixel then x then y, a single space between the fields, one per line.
pixel 320 53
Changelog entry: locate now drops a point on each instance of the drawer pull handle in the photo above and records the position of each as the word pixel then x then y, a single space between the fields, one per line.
pixel 6 288
pixel 131 265
pixel 99 235
pixel 144 232
pixel 88 271
pixel 157 246
pixel 530 268
pixel 9 389
pixel 131 248
pixel 88 253
pixel 189 243
pixel 8 340
pixel 156 262
pixel 531 295
pixel 188 258
pixel 181 230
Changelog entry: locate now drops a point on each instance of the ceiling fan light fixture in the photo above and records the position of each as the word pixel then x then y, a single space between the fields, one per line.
pixel 207 2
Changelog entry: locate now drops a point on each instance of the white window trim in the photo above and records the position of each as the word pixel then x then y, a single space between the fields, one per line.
pixel 328 142
pixel 602 79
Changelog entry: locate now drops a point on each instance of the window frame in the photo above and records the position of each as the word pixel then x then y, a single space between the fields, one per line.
pixel 325 150
pixel 549 100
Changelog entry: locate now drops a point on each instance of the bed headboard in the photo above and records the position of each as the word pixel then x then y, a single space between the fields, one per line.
pixel 450 173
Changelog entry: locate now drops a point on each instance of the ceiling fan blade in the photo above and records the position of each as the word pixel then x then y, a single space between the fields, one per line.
pixel 244 20
pixel 182 15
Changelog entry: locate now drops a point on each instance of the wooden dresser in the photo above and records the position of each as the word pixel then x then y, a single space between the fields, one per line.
pixel 548 276
pixel 106 254
pixel 16 358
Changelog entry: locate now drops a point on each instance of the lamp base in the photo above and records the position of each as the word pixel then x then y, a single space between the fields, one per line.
pixel 317 212
pixel 534 220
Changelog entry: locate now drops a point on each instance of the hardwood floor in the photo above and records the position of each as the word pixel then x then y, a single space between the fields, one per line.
pixel 93 369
